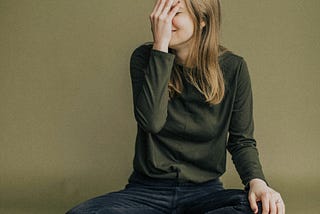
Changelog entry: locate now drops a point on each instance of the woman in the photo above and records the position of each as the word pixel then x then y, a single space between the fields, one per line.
pixel 192 102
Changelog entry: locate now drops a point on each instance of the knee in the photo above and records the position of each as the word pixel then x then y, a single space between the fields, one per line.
pixel 73 211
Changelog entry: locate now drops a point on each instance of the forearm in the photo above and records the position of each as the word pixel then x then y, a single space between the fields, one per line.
pixel 247 163
pixel 151 92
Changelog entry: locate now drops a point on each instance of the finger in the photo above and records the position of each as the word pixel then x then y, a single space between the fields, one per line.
pixel 279 207
pixel 265 204
pixel 159 9
pixel 174 10
pixel 253 203
pixel 272 206
pixel 167 7
pixel 156 5
pixel 282 206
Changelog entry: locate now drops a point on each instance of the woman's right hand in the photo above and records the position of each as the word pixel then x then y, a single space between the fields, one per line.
pixel 161 23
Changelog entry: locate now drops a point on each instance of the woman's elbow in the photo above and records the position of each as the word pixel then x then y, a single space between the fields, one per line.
pixel 151 124
pixel 155 127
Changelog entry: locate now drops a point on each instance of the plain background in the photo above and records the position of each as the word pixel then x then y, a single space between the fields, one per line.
pixel 67 129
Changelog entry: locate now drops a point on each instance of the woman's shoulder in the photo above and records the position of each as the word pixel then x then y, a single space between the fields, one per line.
pixel 229 58
pixel 233 66
pixel 230 62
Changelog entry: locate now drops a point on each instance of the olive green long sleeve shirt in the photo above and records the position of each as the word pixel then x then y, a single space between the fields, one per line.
pixel 185 138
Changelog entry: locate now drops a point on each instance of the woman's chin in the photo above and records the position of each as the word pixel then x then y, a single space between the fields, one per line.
pixel 172 45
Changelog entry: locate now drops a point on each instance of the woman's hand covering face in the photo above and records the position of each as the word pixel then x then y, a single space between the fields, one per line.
pixel 161 22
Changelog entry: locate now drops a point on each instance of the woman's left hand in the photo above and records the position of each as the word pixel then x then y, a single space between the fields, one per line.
pixel 271 200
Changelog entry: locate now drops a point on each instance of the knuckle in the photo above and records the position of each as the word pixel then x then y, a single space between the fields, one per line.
pixel 265 194
pixel 166 21
pixel 252 196
pixel 266 209
pixel 162 18
pixel 277 196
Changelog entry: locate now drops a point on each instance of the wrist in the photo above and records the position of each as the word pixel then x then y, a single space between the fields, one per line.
pixel 160 47
pixel 257 181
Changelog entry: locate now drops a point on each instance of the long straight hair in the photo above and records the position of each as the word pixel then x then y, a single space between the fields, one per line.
pixel 206 74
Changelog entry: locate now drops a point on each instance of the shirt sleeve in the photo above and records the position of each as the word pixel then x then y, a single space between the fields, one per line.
pixel 150 72
pixel 241 143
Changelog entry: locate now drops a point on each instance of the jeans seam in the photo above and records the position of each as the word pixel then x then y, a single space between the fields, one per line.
pixel 174 200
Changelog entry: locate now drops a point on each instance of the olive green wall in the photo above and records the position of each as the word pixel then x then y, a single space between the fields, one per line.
pixel 66 121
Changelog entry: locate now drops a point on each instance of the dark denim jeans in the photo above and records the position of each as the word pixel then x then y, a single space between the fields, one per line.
pixel 144 195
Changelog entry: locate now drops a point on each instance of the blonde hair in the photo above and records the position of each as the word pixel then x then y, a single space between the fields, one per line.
pixel 205 74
